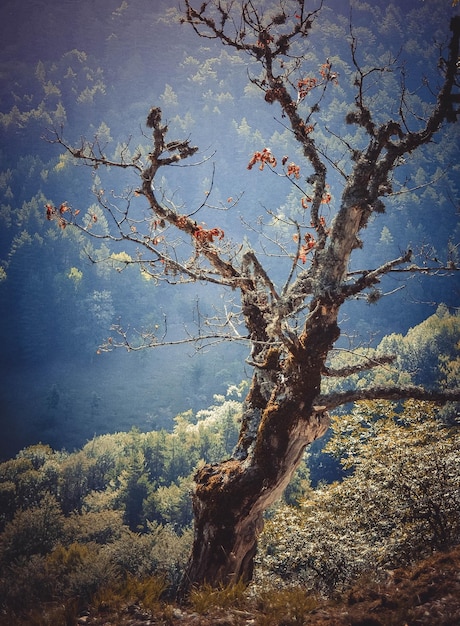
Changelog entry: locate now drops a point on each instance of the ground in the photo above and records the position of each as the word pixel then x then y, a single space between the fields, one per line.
pixel 427 593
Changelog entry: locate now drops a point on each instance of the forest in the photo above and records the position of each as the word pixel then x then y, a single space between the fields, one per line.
pixel 100 446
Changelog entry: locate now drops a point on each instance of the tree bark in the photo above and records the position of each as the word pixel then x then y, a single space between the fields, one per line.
pixel 280 419
pixel 229 502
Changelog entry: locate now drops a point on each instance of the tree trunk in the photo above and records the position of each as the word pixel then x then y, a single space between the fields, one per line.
pixel 279 421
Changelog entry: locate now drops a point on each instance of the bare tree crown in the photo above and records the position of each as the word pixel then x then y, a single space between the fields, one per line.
pixel 320 251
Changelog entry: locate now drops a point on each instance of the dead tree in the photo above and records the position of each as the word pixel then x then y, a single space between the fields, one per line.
pixel 291 330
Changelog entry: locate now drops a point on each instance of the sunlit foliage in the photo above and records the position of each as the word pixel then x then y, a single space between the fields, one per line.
pixel 399 502
pixel 73 524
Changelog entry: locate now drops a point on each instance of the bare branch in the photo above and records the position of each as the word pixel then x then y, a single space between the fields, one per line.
pixel 371 277
pixel 91 153
pixel 370 362
pixel 334 400
pixel 134 340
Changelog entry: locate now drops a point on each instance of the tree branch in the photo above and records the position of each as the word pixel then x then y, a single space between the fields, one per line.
pixel 342 372
pixel 333 400
pixel 372 277
pixel 88 154
pixel 249 258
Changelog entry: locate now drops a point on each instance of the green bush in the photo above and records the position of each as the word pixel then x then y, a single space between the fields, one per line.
pixel 98 527
pixel 32 531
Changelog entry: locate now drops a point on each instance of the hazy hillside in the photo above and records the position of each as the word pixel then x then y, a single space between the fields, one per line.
pixel 97 70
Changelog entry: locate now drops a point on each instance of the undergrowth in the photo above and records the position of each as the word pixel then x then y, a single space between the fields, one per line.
pixel 204 598
pixel 147 590
pixel 289 607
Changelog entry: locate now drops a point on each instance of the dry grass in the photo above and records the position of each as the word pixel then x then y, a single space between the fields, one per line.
pixel 427 593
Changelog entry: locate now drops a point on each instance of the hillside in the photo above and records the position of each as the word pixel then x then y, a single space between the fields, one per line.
pixel 102 535
pixel 427 593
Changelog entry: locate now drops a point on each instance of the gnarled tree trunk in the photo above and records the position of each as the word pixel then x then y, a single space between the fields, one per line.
pixel 280 419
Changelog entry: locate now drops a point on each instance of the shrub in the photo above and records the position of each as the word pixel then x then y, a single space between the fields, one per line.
pixel 32 531
pixel 80 569
pixel 99 527
pixel 400 503
pixel 130 553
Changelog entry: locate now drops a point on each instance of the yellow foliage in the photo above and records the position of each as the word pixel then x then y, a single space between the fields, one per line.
pixel 375 430
pixel 64 160
pixel 72 556
pixel 145 275
pixel 75 275
pixel 123 257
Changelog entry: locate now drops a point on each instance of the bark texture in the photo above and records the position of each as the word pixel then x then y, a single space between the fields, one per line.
pixel 231 497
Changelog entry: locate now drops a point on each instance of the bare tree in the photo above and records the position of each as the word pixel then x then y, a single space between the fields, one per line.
pixel 291 330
